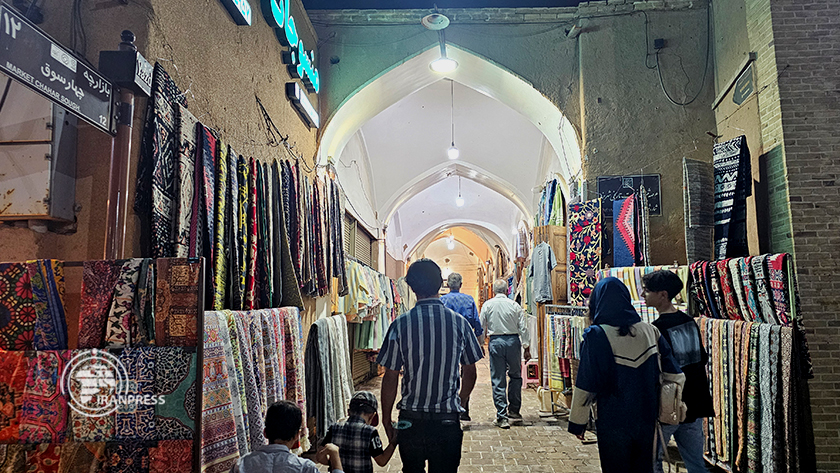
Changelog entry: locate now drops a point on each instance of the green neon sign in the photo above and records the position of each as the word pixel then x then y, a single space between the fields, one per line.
pixel 298 60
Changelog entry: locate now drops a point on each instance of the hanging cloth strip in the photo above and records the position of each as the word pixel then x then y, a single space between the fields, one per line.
pixel 176 302
pixel 236 372
pixel 243 172
pixel 295 373
pixel 122 315
pixel 732 309
pixel 251 288
pixel 584 249
pixel 290 294
pixel 206 169
pixel 221 224
pixel 736 280
pixel 46 279
pixel 762 295
pixel 698 202
pixel 733 184
pixel 624 232
pixel 128 457
pixel 184 233
pixel 277 227
pixel 83 458
pixel 85 428
pixel 15 367
pixel 753 312
pixel 236 406
pixel 232 235
pixel 137 421
pixel 44 410
pixel 170 456
pixel 156 190
pixel 219 448
pixel 143 330
pixel 644 228
pixel 175 374
pixel 263 280
pixel 98 281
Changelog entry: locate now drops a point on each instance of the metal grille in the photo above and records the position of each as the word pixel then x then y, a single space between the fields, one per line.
pixel 357 242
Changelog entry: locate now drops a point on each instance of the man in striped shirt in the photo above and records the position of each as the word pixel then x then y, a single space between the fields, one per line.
pixel 430 344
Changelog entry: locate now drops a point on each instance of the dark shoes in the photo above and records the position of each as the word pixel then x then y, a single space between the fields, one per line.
pixel 465 416
pixel 502 423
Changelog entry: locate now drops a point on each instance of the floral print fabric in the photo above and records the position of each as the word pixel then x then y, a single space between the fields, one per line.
pixel 98 282
pixel 47 281
pixel 175 376
pixel 17 309
pixel 584 249
pixel 13 371
pixel 45 411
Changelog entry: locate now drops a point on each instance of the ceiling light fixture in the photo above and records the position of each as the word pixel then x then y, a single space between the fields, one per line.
pixel 451 242
pixel 438 22
pixel 452 152
pixel 460 200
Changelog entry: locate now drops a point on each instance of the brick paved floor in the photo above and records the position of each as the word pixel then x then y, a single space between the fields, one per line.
pixel 540 445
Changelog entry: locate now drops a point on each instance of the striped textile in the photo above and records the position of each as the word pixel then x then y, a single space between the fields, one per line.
pixel 733 183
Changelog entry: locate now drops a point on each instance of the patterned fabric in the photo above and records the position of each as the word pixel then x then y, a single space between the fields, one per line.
pixel 86 428
pixel 185 181
pixel 98 281
pixel 745 266
pixel 143 331
pixel 624 232
pixel 275 386
pixel 14 367
pixel 719 309
pixel 206 202
pixel 219 449
pixel 47 281
pixel 295 373
pixel 233 385
pixel 83 458
pixel 736 280
pixel 128 457
pixel 698 203
pixel 253 414
pixel 176 302
pixel 12 458
pixel 643 231
pixel 733 184
pixel 122 315
pixel 732 309
pixel 277 228
pixel 221 250
pixel 171 456
pixel 44 458
pixel 762 293
pixel 289 295
pixel 44 413
pixel 137 421
pixel 777 272
pixel 263 271
pixel 175 375
pixel 155 194
pixel 584 249
pixel 240 277
pixel 753 404
pixel 17 309
pixel 698 290
pixel 251 296
pixel 259 374
pixel 236 375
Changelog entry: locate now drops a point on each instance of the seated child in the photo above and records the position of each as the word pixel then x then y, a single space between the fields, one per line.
pixel 283 430
pixel 357 438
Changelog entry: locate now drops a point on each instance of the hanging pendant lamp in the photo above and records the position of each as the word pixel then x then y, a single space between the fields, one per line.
pixel 452 152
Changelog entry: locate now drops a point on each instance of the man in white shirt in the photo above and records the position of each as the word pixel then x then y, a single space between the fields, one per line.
pixel 503 321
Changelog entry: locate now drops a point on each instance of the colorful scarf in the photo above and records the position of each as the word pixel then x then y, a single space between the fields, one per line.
pixel 233 377
pixel 240 277
pixel 46 279
pixel 137 421
pixel 231 236
pixel 624 232
pixel 289 295
pixel 733 184
pixel 584 249
pixel 206 202
pixel 767 403
pixel 337 217
pixel 745 267
pixel 718 308
pixel 143 330
pixel 698 289
pixel 14 366
pixel 44 413
pixel 275 388
pixel 17 311
pixel 44 458
pixel 221 251
pixel 251 296
pixel 753 404
pixel 737 282
pixel 277 229
pixel 98 281
pixel 122 316
pixel 643 228
pixel 83 458
pixel 258 363
pixel 777 272
pixel 175 380
pixel 732 310
pixel 185 182
pixel 762 295
pixel 236 372
pixel 176 301
pixel 295 373
pixel 171 456
pixel 219 449
pixel 128 457
pixel 263 263
pixel 253 413
pixel 86 428
pixel 155 194
pixel 268 259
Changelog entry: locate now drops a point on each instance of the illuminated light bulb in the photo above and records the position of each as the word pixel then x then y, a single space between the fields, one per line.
pixel 444 65
pixel 453 152
pixel 451 245
pixel 459 201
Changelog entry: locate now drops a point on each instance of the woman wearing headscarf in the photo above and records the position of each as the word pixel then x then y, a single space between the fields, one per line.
pixel 619 373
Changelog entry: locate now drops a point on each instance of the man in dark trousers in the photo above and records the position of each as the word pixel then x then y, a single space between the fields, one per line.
pixel 681 332
pixel 430 344
pixel 463 304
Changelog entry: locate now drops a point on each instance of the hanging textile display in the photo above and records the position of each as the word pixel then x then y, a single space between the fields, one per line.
pixel 18 330
pixel 329 383
pixel 624 232
pixel 295 376
pixel 733 184
pixel 643 229
pixel 698 202
pixel 185 235
pixel 176 301
pixel 219 448
pixel 15 367
pixel 82 457
pixel 44 409
pixel 221 223
pixel 171 456
pixel 137 421
pixel 98 281
pixel 175 374
pixel 46 279
pixel 204 220
pixel 128 457
pixel 121 314
pixel 584 249
pixel 156 191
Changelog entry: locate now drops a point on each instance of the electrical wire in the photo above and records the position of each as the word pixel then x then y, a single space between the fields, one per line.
pixel 705 68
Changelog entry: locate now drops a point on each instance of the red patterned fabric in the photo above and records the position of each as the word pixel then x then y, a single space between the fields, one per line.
pixel 44 458
pixel 98 282
pixel 17 309
pixel 171 456
pixel 777 266
pixel 732 309
pixel 45 411
pixel 251 296
pixel 13 370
